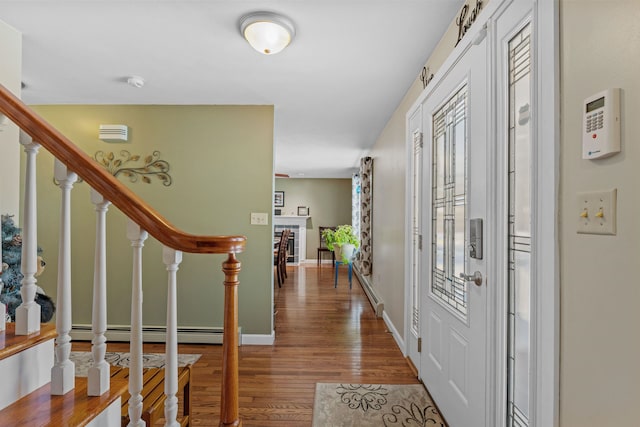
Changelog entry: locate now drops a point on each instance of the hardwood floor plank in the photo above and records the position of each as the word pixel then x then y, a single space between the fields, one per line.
pixel 323 334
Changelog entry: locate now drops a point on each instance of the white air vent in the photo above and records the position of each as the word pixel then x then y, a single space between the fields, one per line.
pixel 114 133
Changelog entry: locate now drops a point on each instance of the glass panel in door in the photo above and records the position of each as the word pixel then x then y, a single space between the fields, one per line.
pixel 519 241
pixel 448 203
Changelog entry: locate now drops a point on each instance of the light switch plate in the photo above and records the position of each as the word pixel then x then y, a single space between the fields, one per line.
pixel 259 218
pixel 596 212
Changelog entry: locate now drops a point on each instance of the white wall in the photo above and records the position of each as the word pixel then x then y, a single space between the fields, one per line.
pixel 600 291
pixel 389 171
pixel 10 77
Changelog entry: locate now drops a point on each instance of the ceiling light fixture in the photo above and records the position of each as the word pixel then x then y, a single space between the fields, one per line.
pixel 267 32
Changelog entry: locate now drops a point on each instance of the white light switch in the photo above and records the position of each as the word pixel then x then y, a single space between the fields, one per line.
pixel 596 212
pixel 259 218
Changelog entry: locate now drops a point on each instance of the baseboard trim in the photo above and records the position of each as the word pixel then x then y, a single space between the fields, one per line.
pixel 374 299
pixel 393 330
pixel 315 261
pixel 254 339
pixel 413 367
pixel 186 335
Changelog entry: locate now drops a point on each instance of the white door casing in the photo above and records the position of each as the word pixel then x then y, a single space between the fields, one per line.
pixel 537 391
pixel 414 194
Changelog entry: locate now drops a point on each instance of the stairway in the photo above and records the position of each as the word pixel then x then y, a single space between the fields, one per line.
pixel 25 395
pixel 41 389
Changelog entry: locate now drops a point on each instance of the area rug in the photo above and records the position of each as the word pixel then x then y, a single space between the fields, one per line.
pixel 83 360
pixel 373 405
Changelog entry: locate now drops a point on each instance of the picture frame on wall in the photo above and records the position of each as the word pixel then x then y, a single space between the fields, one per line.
pixel 278 199
pixel 303 211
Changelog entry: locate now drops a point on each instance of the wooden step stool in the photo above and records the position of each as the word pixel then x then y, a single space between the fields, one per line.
pixel 153 397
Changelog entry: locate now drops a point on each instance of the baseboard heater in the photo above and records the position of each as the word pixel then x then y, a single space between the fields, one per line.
pixel 186 335
pixel 374 299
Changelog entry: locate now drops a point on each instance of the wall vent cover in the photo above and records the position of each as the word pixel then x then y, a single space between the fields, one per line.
pixel 114 133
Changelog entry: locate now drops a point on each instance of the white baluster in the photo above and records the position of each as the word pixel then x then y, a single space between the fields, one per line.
pixel 28 313
pixel 172 260
pixel 63 371
pixel 99 375
pixel 137 237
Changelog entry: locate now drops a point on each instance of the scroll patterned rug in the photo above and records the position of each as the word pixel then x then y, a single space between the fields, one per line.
pixel 83 360
pixel 373 405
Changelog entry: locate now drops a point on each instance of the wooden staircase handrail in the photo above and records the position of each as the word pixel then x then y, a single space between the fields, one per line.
pixel 110 187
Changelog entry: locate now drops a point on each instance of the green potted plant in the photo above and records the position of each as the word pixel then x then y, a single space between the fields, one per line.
pixel 343 241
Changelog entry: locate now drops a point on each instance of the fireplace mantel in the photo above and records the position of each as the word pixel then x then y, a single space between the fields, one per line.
pixel 301 223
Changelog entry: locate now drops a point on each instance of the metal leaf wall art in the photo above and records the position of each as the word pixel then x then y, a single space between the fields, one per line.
pixel 134 167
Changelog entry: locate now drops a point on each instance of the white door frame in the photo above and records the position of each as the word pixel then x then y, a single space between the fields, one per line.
pixel 545 301
pixel 411 341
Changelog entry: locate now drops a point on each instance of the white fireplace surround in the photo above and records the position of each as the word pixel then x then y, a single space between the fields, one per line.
pixel 301 235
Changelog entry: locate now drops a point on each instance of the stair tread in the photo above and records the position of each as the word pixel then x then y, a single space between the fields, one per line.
pixel 11 344
pixel 153 385
pixel 75 408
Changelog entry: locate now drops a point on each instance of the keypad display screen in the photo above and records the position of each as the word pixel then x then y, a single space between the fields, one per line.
pixel 594 105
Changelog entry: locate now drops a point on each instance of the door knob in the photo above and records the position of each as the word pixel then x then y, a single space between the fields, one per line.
pixel 475 278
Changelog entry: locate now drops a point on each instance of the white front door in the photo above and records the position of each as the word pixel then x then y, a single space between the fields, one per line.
pixel 453 360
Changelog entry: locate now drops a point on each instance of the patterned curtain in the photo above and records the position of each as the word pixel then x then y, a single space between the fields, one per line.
pixel 365 258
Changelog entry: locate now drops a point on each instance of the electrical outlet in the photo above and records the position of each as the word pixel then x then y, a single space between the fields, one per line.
pixel 259 218
pixel 596 212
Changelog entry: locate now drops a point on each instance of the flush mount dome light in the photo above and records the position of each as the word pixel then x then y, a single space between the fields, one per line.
pixel 267 32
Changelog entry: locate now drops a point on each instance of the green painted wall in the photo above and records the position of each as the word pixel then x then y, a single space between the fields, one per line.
pixel 221 161
pixel 329 202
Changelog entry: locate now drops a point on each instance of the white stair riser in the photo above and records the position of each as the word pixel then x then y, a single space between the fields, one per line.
pixel 25 372
pixel 109 417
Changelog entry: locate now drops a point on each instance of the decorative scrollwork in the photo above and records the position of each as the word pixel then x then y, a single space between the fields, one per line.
pixel 363 396
pixel 152 166
pixel 413 416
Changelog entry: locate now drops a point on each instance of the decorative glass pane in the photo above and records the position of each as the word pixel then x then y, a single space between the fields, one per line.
pixel 459 160
pixel 439 239
pixel 522 327
pixel 449 202
pixel 459 240
pixel 439 169
pixel 416 231
pixel 520 149
pixel 521 156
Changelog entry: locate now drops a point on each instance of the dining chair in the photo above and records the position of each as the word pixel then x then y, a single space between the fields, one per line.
pixel 323 246
pixel 280 257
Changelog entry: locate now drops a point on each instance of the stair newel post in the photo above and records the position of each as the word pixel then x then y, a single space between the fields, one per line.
pixel 28 313
pixel 172 260
pixel 63 370
pixel 137 236
pixel 229 401
pixel 99 374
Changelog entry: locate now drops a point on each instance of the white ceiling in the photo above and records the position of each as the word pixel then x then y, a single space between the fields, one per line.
pixel 334 88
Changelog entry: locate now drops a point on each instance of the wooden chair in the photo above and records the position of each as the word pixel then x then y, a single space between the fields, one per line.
pixel 323 246
pixel 280 257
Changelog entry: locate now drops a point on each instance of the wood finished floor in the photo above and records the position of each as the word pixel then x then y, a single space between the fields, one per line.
pixel 322 335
